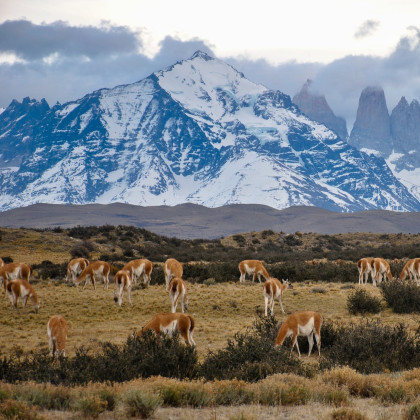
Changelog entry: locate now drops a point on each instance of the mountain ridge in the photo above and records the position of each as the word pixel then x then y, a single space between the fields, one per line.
pixel 197 131
pixel 193 221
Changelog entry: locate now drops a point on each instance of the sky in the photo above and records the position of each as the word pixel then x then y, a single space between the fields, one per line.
pixel 61 50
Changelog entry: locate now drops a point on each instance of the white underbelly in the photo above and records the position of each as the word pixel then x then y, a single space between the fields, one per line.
pixel 307 328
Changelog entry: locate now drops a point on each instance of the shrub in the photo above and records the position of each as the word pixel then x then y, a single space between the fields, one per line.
pixel 109 398
pixel 251 356
pixel 90 406
pixel 180 395
pixel 48 398
pixel 209 282
pixel 413 412
pixel 362 302
pixel 402 296
pixel 321 290
pixel 395 395
pixel 138 357
pixel 140 404
pixel 370 347
pixel 49 270
pixel 347 414
pixel 336 397
pixel 11 409
pixel 233 393
pixel 80 251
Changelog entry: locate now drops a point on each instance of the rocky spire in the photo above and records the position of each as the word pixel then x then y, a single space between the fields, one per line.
pixel 315 106
pixel 405 126
pixel 371 129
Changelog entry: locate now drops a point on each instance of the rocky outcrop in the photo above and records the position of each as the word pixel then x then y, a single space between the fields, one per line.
pixel 372 128
pixel 405 126
pixel 315 106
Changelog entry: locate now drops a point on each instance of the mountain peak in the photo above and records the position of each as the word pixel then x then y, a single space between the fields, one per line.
pixel 201 54
pixel 315 106
pixel 372 128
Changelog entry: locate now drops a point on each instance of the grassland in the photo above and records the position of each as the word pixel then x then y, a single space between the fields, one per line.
pixel 220 310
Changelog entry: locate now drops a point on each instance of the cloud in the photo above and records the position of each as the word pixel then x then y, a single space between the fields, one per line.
pixel 366 28
pixel 107 56
pixel 31 42
pixel 86 59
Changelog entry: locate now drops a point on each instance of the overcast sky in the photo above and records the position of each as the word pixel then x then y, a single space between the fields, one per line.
pixel 61 50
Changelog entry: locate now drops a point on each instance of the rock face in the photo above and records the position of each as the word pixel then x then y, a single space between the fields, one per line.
pixel 315 106
pixel 372 129
pixel 396 138
pixel 405 126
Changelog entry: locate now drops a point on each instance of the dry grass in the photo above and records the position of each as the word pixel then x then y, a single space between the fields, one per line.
pixel 339 382
pixel 220 310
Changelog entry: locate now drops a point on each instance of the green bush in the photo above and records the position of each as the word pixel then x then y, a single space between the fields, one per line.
pixel 362 302
pixel 251 356
pixel 402 296
pixel 370 347
pixel 138 357
pixel 49 270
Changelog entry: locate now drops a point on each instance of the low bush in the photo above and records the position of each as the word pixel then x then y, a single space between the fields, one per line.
pixel 371 347
pixel 336 397
pixel 347 414
pixel 362 302
pixel 251 356
pixel 91 406
pixel 413 412
pixel 138 357
pixel 185 395
pixel 140 404
pixel 233 393
pixel 10 409
pixel 49 270
pixel 402 296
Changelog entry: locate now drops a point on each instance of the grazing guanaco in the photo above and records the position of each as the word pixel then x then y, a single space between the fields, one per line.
pixel 122 282
pixel 381 270
pixel 137 268
pixel 14 271
pixel 274 289
pixel 411 270
pixel 57 330
pixel 172 268
pixel 95 270
pixel 75 267
pixel 254 267
pixel 21 289
pixel 304 323
pixel 364 265
pixel 178 291
pixel 169 323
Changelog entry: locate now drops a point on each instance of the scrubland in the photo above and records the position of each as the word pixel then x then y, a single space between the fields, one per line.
pixel 221 307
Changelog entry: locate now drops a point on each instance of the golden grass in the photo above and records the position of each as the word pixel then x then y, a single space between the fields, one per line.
pixel 315 406
pixel 219 310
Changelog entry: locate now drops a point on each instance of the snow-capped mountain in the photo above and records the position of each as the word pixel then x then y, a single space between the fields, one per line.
pixel 197 132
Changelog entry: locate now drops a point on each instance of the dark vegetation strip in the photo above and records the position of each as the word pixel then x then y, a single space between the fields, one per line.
pixel 283 254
